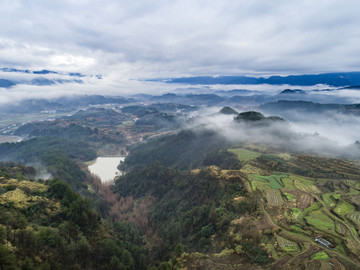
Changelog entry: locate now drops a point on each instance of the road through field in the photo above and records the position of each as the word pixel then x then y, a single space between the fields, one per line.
pixel 356 265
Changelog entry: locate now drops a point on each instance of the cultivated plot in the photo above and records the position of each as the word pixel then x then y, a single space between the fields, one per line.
pixel 274 198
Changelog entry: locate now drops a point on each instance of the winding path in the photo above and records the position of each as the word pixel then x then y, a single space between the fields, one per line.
pixel 312 242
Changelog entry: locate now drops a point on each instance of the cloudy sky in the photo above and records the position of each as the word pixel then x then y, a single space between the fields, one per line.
pixel 147 38
pixel 127 40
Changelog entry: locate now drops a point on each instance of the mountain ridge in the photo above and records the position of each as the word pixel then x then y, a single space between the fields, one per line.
pixel 333 79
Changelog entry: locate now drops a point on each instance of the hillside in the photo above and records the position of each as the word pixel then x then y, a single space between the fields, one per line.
pixel 208 196
pixel 268 212
pixel 45 225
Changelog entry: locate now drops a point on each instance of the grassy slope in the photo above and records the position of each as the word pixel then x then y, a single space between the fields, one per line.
pixel 244 154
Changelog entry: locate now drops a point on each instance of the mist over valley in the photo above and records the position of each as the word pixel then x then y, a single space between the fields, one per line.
pixel 177 135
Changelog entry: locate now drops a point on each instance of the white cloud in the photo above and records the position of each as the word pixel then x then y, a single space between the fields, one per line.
pixel 71 61
pixel 141 39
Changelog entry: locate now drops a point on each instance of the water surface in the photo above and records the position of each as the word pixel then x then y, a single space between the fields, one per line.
pixel 106 168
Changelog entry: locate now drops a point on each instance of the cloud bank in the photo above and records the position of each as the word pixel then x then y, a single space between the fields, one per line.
pixel 323 135
pixel 142 39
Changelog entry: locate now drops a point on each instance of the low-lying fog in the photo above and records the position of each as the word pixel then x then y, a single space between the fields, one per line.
pixel 111 84
pixel 325 132
pixel 333 135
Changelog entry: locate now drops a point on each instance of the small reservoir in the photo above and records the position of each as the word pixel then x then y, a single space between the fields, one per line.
pixel 106 168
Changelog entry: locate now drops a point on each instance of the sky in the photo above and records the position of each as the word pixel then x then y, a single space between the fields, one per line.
pixel 128 40
pixel 181 37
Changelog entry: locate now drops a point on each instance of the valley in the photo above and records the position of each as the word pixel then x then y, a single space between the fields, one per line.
pixel 197 195
pixel 179 135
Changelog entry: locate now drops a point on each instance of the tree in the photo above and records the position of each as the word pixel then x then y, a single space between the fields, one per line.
pixel 7 259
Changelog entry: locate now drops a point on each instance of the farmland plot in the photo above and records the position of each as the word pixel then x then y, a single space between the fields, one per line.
pixel 344 208
pixel 340 228
pixel 305 200
pixel 355 217
pixel 320 221
pixel 244 154
pixel 274 198
pixel 287 245
pixel 273 181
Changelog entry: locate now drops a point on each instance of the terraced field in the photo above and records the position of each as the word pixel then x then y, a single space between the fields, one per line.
pixel 305 185
pixel 329 200
pixel 320 256
pixel 340 228
pixel 343 208
pixel 303 207
pixel 288 183
pixel 274 198
pixel 355 217
pixel 287 245
pixel 244 154
pixel 271 181
pixel 305 200
pixel 320 221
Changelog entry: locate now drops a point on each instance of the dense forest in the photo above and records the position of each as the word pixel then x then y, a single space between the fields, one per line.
pixel 186 150
pixel 58 155
pixel 46 225
pixel 187 207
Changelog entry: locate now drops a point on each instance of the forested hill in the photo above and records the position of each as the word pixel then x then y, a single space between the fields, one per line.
pixel 188 208
pixel 188 149
pixel 58 155
pixel 45 225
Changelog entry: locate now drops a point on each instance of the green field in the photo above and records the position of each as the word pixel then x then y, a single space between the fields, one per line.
pixel 295 213
pixel 289 196
pixel 271 181
pixel 320 256
pixel 288 183
pixel 328 200
pixel 272 250
pixel 259 183
pixel 353 192
pixel 298 229
pixel 355 216
pixel 244 154
pixel 341 229
pixel 343 208
pixel 320 221
pixel 304 184
pixel 287 245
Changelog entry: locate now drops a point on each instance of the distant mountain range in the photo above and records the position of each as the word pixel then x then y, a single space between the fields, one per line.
pixel 42 72
pixel 332 79
pixel 39 78
pixel 6 83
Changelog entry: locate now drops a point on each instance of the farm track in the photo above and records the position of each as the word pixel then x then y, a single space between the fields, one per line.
pixel 282 262
pixel 331 215
pixel 312 245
